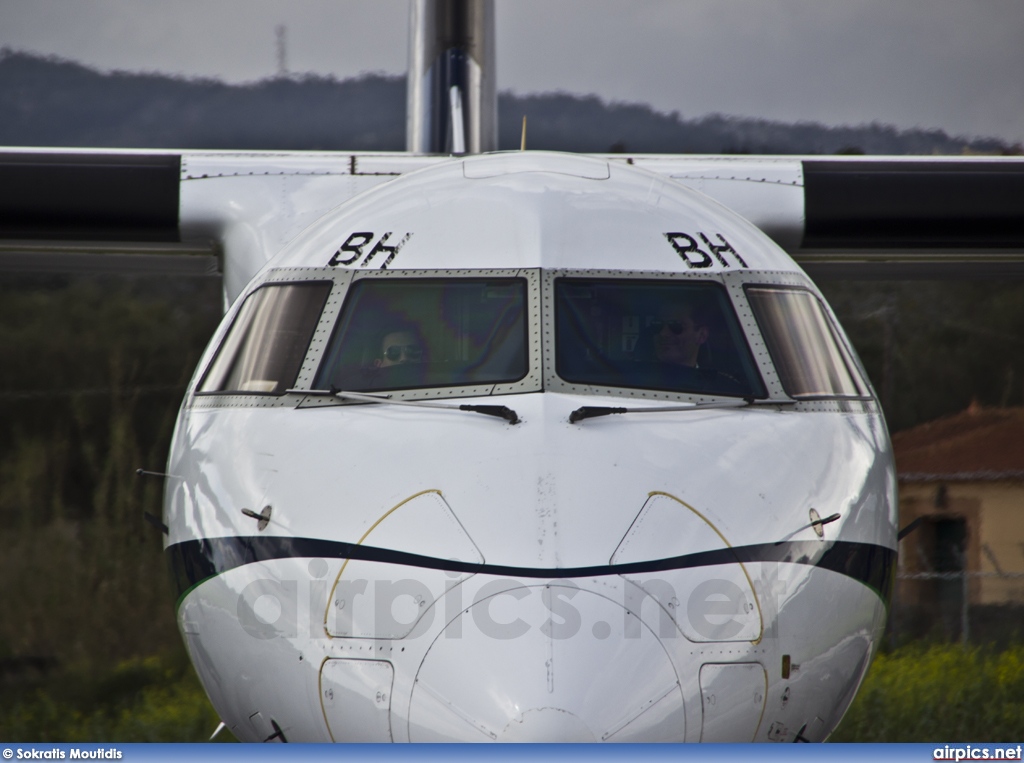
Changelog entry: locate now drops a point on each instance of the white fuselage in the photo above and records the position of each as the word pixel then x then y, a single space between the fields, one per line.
pixel 432 574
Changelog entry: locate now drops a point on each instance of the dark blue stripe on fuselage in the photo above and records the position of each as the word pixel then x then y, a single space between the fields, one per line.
pixel 197 560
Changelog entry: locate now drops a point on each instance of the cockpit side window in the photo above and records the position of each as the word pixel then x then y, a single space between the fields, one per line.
pixel 670 336
pixel 263 351
pixel 414 333
pixel 803 345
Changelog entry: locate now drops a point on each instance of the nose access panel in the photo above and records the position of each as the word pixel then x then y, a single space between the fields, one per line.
pixel 380 600
pixel 715 602
pixel 546 663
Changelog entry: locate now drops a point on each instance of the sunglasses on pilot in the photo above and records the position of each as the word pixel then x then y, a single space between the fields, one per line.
pixel 412 352
pixel 674 326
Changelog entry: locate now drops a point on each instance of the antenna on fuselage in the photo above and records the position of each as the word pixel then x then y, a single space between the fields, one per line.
pixel 451 92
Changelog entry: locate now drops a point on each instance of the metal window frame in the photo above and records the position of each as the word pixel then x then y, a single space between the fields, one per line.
pixel 324 333
pixel 554 383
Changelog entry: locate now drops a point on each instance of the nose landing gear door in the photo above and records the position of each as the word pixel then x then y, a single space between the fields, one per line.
pixel 356 699
pixel 732 701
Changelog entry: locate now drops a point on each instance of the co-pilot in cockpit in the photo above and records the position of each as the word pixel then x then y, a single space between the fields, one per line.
pixel 411 333
pixel 398 347
pixel 670 336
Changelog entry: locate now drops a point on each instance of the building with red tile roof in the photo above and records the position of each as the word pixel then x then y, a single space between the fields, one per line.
pixel 978 444
pixel 962 476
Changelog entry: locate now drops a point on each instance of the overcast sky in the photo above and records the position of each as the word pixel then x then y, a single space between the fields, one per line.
pixel 956 65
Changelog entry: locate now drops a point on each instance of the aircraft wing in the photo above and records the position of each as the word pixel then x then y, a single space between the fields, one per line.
pixel 177 212
pixel 874 217
pixel 195 211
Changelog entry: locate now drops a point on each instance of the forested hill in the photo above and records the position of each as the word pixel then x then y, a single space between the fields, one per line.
pixel 49 102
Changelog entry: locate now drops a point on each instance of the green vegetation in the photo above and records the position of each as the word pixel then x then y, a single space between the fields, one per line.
pixel 143 700
pixel 91 377
pixel 924 693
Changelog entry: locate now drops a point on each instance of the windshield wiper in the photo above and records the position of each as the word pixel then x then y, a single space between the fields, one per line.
pixel 592 411
pixel 500 411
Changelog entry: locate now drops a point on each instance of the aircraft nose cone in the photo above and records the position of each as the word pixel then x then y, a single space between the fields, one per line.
pixel 546 663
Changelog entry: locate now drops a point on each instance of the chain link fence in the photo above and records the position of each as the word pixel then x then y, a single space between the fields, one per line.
pixel 949 606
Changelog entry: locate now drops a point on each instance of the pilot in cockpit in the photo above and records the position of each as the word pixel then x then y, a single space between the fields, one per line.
pixel 678 332
pixel 399 348
pixel 681 332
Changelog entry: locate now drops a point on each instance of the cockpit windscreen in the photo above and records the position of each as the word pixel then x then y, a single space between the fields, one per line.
pixel 426 332
pixel 670 336
pixel 808 355
pixel 263 351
